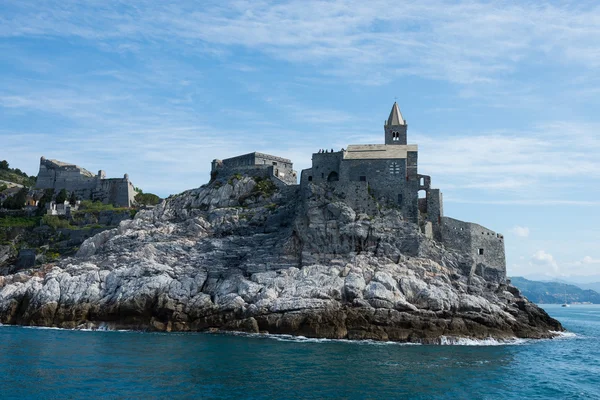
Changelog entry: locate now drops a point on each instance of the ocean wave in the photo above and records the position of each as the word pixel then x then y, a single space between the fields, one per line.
pixel 460 341
pixel 444 340
pixel 565 335
pixel 304 339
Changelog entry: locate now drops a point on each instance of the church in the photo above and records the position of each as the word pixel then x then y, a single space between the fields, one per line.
pixel 369 177
pixel 388 172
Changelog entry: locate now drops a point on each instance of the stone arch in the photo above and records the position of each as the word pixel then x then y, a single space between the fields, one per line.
pixel 333 177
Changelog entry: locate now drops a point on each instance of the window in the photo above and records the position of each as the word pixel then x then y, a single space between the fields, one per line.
pixel 274 163
pixel 400 199
pixel 480 252
pixel 394 168
pixel 310 178
pixel 362 178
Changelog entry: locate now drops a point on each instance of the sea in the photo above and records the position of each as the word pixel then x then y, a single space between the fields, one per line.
pixel 63 364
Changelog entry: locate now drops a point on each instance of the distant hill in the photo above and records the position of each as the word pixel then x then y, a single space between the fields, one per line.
pixel 554 292
pixel 591 286
pixel 15 175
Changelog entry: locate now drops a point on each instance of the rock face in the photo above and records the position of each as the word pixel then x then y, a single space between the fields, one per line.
pixel 243 255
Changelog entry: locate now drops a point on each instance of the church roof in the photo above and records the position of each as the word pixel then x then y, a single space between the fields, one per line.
pixel 378 151
pixel 395 117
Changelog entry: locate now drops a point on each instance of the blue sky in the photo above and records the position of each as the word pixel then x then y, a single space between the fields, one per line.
pixel 503 99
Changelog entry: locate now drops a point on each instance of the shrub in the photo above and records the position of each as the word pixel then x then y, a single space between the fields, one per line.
pixel 55 222
pixel 264 186
pixel 147 199
pixel 21 222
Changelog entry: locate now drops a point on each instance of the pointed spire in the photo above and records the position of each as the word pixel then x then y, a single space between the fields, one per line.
pixel 395 117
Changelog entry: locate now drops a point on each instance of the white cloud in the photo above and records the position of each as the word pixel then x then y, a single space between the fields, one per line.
pixel 520 231
pixel 590 260
pixel 478 42
pixel 543 259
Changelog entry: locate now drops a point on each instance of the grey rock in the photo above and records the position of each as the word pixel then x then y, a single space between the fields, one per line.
pixel 227 257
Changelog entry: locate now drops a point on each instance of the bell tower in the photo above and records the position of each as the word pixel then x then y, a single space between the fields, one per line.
pixel 395 127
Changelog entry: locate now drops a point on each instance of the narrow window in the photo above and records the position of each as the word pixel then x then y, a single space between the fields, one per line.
pixel 310 178
pixel 480 252
pixel 274 163
pixel 400 199
pixel 363 178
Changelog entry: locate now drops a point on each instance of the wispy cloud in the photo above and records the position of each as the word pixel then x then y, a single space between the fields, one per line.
pixel 520 231
pixel 545 260
pixel 463 42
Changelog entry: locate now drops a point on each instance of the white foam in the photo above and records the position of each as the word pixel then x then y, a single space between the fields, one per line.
pixel 460 341
pixel 564 335
pixel 304 339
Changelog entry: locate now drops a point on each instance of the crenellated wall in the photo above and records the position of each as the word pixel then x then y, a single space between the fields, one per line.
pixel 57 175
pixel 484 245
pixel 259 163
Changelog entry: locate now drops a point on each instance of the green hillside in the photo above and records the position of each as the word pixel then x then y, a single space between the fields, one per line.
pixel 15 175
pixel 554 292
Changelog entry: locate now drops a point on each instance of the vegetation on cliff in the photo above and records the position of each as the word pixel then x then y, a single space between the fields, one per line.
pixel 287 261
pixel 15 175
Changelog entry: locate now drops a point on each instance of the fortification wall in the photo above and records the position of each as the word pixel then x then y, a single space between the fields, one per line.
pixel 326 166
pixel 263 171
pixel 70 178
pixel 86 186
pixel 116 191
pixel 239 161
pixel 356 195
pixel 484 245
pixel 281 168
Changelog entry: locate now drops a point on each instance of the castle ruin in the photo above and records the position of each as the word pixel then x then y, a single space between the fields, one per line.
pixel 371 175
pixel 257 164
pixel 59 175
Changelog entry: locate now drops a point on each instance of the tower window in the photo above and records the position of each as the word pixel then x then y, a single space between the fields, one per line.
pixel 310 178
pixel 480 252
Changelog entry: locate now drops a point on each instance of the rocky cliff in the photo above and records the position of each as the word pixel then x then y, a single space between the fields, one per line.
pixel 243 255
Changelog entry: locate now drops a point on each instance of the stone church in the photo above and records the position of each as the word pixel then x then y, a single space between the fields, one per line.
pixel 369 176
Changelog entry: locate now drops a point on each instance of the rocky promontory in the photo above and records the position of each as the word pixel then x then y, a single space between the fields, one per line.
pixel 246 255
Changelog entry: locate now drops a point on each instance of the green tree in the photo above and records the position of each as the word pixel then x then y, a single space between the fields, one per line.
pixel 46 198
pixel 61 197
pixel 3 164
pixel 73 199
pixel 17 201
pixel 147 199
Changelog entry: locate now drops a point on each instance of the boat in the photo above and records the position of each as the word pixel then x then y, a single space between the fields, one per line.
pixel 565 304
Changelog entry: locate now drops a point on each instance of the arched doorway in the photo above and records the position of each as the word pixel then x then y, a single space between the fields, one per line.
pixel 333 177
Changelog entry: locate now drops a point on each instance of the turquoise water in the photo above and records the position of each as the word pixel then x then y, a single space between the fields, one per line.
pixel 51 363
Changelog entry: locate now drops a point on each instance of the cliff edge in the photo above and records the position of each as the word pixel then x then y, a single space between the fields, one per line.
pixel 247 255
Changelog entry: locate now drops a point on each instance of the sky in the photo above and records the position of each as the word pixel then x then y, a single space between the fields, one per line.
pixel 503 99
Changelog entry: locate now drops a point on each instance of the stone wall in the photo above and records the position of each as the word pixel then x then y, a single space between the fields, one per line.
pixel 57 175
pixel 400 133
pixel 484 245
pixel 326 166
pixel 246 164
pixel 53 175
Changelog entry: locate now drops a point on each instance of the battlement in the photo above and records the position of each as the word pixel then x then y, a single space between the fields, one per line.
pixel 369 176
pixel 58 175
pixel 279 167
